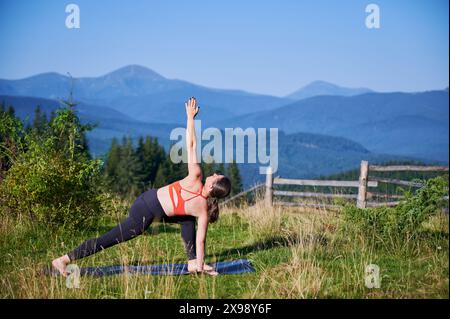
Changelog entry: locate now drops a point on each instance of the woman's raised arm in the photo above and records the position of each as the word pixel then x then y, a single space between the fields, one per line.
pixel 191 140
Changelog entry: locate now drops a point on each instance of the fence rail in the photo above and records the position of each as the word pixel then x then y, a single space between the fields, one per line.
pixel 312 182
pixel 362 184
pixel 371 195
pixel 309 194
pixel 327 206
pixel 399 168
pixel 395 181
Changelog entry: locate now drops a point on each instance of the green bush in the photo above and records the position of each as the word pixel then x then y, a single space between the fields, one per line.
pixel 54 181
pixel 11 139
pixel 404 220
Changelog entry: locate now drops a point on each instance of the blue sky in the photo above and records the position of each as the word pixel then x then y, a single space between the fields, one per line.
pixel 261 46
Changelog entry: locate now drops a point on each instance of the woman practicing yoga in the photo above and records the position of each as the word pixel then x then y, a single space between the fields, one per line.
pixel 181 202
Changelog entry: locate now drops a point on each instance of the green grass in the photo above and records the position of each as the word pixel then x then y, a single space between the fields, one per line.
pixel 297 253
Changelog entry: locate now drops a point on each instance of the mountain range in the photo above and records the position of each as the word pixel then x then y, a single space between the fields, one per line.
pixel 409 124
pixel 359 123
pixel 143 94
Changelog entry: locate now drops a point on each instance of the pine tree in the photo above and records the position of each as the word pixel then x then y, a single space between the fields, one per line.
pixel 11 111
pixel 169 172
pixel 69 130
pixel 220 167
pixel 162 174
pixel 157 156
pixel 128 169
pixel 236 181
pixel 52 116
pixel 143 169
pixel 112 163
pixel 177 170
pixel 208 168
pixel 150 155
pixel 40 122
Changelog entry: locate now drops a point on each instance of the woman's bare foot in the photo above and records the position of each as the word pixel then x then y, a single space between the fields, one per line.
pixel 60 264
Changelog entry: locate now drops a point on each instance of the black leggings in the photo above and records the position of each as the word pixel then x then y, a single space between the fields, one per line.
pixel 146 208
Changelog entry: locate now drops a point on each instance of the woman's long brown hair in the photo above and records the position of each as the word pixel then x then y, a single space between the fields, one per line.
pixel 220 189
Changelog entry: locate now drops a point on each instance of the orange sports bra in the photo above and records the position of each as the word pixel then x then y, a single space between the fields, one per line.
pixel 179 209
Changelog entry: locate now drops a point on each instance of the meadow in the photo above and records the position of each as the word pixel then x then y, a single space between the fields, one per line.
pixel 297 253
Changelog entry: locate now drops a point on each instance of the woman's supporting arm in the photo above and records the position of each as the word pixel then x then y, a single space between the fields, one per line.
pixel 202 228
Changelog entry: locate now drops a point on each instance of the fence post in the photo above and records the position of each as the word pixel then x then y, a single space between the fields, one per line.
pixel 362 189
pixel 269 187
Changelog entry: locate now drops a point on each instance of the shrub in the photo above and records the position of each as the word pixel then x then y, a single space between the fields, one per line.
pixel 54 181
pixel 405 220
pixel 11 139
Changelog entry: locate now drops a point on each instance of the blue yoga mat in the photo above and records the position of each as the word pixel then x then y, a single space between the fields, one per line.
pixel 222 267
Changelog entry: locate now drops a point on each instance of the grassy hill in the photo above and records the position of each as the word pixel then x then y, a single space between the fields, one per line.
pixel 297 253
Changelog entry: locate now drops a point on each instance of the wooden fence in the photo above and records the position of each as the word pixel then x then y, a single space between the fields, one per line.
pixel 364 197
pixel 363 184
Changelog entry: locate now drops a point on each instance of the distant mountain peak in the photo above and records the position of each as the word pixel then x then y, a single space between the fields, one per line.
pixel 135 71
pixel 320 87
pixel 320 83
pixel 47 76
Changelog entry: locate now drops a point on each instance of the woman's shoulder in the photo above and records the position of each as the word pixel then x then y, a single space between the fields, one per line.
pixel 191 183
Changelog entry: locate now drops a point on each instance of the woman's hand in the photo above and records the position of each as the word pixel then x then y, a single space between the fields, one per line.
pixel 210 272
pixel 191 108
pixel 207 269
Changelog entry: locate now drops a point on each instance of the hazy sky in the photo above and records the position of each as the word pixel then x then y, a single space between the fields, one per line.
pixel 261 46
